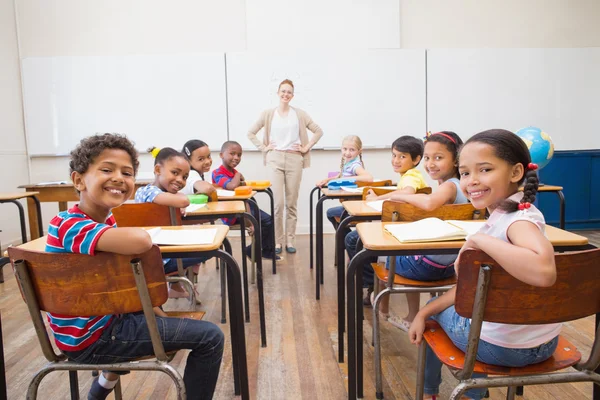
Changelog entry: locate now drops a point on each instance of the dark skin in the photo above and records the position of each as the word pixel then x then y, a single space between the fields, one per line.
pixel 231 157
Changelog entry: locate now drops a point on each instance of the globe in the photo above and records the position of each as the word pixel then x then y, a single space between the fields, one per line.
pixel 539 144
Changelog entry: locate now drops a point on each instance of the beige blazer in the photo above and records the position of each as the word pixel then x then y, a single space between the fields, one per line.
pixel 304 122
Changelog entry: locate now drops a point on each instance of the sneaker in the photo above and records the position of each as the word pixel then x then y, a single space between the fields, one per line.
pixel 290 249
pixel 278 249
pixel 98 392
pixel 269 256
pixel 367 299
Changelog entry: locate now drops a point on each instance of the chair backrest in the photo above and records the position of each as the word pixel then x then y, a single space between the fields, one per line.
pixel 379 192
pixel 395 211
pixel 387 182
pixel 576 293
pixel 146 214
pixel 78 284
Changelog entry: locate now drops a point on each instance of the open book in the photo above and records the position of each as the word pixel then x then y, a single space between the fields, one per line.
pixel 377 205
pixel 433 230
pixel 194 207
pixel 182 237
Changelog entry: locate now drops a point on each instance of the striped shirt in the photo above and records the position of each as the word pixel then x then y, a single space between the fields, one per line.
pixel 349 168
pixel 73 231
pixel 147 194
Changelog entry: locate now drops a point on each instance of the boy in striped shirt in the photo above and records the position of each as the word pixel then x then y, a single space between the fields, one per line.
pixel 103 169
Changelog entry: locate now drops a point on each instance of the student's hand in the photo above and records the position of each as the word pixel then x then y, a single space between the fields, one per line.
pixel 159 312
pixel 182 210
pixel 249 227
pixel 242 179
pixel 470 244
pixel 417 327
pixel 322 183
pixel 371 196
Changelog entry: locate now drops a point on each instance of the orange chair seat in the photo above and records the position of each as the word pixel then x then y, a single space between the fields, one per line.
pixel 566 355
pixel 382 275
pixel 353 223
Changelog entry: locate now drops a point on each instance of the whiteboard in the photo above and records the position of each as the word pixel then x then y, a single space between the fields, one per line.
pixel 556 90
pixel 156 100
pixel 378 95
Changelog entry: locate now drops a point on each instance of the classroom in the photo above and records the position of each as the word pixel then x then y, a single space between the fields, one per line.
pixel 164 73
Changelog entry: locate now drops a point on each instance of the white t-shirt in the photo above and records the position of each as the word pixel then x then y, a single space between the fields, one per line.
pixel 509 335
pixel 193 177
pixel 285 131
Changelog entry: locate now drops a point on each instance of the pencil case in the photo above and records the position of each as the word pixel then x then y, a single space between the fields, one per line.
pixel 259 184
pixel 198 198
pixel 243 190
pixel 337 184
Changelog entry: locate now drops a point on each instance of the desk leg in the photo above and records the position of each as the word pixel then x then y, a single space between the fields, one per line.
pixel 22 220
pixel 238 339
pixel 319 247
pixel 270 194
pixel 341 289
pixel 3 392
pixel 244 268
pixel 259 278
pixel 310 230
pixel 63 206
pixel 32 213
pixel 561 198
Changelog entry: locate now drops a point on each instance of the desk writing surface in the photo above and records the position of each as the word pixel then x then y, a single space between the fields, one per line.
pixel 375 237
pixel 238 197
pixel 16 195
pixel 340 193
pixel 219 207
pixel 222 230
pixel 549 188
pixel 359 208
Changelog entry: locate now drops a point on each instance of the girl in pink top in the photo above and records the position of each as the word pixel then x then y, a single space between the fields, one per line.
pixel 492 166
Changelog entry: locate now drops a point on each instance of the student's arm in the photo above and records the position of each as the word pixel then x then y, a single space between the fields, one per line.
pixel 203 187
pixel 362 175
pixel 124 241
pixel 234 182
pixel 371 196
pixel 172 199
pixel 415 333
pixel 445 194
pixel 529 256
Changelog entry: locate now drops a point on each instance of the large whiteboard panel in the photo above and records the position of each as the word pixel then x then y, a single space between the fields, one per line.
pixel 160 100
pixel 375 94
pixel 556 90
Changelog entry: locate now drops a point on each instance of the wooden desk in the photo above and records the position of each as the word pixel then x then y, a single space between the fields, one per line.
pixel 238 340
pixel 561 199
pixel 378 242
pixel 237 208
pixel 238 197
pixel 33 196
pixel 60 194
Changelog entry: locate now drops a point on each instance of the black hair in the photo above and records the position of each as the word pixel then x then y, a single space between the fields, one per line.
pixel 89 148
pixel 165 154
pixel 451 140
pixel 512 149
pixel 409 144
pixel 192 145
pixel 228 144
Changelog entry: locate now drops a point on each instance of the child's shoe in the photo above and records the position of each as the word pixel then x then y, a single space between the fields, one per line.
pixel 97 392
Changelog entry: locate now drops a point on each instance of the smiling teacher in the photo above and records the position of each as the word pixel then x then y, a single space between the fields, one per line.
pixel 286 148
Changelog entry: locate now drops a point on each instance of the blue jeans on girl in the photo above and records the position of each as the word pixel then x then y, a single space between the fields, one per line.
pixel 420 269
pixel 127 338
pixel 457 328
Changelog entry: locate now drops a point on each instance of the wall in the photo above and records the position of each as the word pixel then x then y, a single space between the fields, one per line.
pixel 116 27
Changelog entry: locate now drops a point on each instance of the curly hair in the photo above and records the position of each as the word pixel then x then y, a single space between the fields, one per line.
pixel 89 148
pixel 512 149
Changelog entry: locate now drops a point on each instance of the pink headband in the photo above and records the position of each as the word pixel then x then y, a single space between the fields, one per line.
pixel 450 138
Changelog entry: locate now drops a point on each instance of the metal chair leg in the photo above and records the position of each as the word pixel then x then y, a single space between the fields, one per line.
pixel 420 371
pixel 118 391
pixel 511 392
pixel 74 385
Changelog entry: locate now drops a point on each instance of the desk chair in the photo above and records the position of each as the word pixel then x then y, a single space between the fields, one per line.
pixel 108 283
pixel 394 211
pixel 486 292
pixel 140 215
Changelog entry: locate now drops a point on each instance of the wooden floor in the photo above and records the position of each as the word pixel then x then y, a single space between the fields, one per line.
pixel 300 361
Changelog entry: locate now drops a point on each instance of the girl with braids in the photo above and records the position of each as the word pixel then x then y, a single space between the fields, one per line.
pixel 198 154
pixel 492 166
pixel 351 166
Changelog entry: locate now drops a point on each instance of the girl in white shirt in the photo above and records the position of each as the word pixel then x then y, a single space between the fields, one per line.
pixel 198 154
pixel 492 165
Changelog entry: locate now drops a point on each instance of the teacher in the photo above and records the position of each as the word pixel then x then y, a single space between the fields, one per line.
pixel 286 148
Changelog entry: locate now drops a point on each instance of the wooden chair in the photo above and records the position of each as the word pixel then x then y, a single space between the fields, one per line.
pixel 393 211
pixel 379 192
pixel 486 292
pixel 106 284
pixel 151 214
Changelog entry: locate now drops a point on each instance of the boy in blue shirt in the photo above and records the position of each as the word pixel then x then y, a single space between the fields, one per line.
pixel 103 169
pixel 227 177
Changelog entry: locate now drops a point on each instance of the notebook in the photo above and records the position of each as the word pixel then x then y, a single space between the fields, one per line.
pixel 194 207
pixel 433 230
pixel 225 193
pixel 377 205
pixel 181 237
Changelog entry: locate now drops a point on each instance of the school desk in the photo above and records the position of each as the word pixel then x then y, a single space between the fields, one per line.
pixel 378 242
pixel 237 209
pixel 56 193
pixel 269 193
pixel 561 199
pixel 234 291
pixel 327 195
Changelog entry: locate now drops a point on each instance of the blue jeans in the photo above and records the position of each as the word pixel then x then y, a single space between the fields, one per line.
pixel 351 242
pixel 417 268
pixel 457 328
pixel 171 265
pixel 127 338
pixel 334 212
